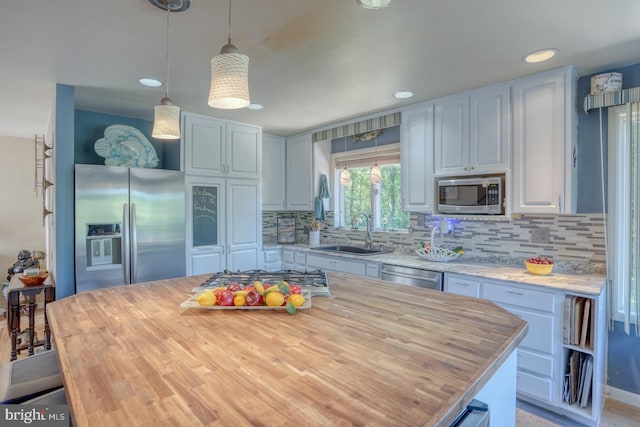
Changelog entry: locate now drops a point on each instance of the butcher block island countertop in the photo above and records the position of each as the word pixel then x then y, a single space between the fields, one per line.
pixel 374 353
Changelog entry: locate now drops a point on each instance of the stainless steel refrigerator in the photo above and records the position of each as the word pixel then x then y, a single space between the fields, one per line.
pixel 129 225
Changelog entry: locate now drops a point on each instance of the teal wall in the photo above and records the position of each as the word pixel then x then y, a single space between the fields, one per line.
pixel 89 126
pixel 64 160
pixel 623 359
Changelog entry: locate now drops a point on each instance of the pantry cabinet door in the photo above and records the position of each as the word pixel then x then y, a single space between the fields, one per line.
pixel 244 149
pixel 204 145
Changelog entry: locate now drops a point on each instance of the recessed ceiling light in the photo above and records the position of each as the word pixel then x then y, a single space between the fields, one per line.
pixel 255 107
pixel 540 56
pixel 150 82
pixel 373 4
pixel 403 94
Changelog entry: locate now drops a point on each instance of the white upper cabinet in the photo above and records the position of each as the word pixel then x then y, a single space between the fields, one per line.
pixel 273 172
pixel 472 132
pixel 299 174
pixel 489 136
pixel 452 135
pixel 416 158
pixel 544 143
pixel 244 151
pixel 216 147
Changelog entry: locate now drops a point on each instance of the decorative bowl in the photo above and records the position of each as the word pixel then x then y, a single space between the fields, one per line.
pixel 539 269
pixel 437 254
pixel 34 279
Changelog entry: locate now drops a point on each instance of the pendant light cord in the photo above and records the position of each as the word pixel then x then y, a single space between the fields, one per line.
pixel 229 37
pixel 166 92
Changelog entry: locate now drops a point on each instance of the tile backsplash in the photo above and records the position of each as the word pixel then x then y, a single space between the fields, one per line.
pixel 575 242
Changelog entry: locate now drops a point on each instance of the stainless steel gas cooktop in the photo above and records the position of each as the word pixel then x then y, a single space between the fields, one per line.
pixel 314 281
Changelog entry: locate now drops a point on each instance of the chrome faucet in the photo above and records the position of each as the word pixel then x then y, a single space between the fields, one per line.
pixel 368 239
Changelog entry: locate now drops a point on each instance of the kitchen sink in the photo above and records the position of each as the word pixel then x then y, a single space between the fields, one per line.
pixel 358 250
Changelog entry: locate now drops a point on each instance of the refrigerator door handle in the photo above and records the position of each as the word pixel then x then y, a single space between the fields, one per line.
pixel 134 245
pixel 125 242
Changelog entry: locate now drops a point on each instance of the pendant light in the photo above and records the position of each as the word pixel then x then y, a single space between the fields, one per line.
pixel 345 176
pixel 376 175
pixel 166 116
pixel 229 77
pixel 373 4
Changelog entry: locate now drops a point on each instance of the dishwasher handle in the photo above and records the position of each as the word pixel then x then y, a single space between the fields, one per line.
pixel 428 279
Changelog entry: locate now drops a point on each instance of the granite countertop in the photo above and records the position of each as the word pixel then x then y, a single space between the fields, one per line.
pixel 588 283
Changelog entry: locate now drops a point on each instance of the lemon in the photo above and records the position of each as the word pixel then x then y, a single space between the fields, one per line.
pixel 207 299
pixel 274 299
pixel 297 299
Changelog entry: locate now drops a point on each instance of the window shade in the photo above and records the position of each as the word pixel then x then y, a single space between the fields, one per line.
pixel 367 158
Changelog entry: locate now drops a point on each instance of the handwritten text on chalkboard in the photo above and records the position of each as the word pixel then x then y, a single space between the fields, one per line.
pixel 205 215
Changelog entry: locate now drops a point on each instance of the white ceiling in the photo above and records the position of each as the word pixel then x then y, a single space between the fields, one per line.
pixel 313 62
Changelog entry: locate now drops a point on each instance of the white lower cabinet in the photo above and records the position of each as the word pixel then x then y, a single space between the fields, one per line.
pixel 342 265
pixel 273 259
pixel 302 260
pixel 544 354
pixel 461 286
pixel 373 270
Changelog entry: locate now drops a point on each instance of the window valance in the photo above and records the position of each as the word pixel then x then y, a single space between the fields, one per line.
pixel 376 123
pixel 610 99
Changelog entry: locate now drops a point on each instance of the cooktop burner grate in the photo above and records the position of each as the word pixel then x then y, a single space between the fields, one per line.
pixel 314 281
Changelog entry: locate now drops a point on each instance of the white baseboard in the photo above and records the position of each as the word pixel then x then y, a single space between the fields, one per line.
pixel 624 396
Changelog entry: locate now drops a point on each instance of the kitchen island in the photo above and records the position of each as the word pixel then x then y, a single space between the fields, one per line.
pixel 373 353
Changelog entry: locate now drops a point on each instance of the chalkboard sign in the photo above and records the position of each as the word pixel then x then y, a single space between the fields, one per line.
pixel 205 215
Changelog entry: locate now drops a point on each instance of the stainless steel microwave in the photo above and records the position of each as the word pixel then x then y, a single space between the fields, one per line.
pixel 471 196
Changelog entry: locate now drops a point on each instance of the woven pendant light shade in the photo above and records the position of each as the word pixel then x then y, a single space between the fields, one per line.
pixel 345 177
pixel 373 4
pixel 229 79
pixel 376 175
pixel 166 120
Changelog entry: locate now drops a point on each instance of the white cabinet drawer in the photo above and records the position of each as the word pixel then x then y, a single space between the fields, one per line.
pixel 540 335
pixel 288 257
pixel 460 286
pixel 537 300
pixel 272 256
pixel 373 270
pixel 537 363
pixel 534 386
pixel 301 258
pixel 336 264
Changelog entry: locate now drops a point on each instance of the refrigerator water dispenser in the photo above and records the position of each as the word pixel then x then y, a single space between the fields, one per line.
pixel 104 243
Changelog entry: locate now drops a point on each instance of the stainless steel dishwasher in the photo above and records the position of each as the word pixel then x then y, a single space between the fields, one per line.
pixel 412 276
